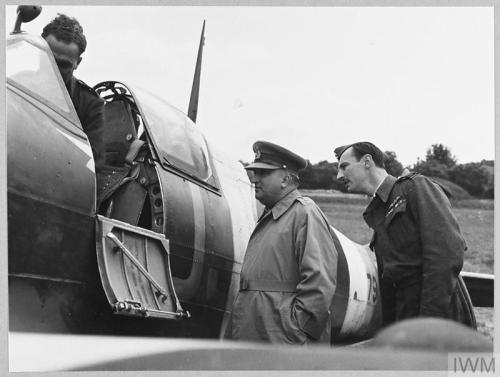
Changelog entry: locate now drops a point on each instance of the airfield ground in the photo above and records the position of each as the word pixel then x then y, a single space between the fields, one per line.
pixel 476 221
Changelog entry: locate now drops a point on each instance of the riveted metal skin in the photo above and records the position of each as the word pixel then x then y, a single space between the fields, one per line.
pixel 47 153
pixel 53 275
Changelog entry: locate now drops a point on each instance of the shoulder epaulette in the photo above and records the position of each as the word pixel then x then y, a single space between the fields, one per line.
pixel 413 175
pixel 406 177
pixel 304 200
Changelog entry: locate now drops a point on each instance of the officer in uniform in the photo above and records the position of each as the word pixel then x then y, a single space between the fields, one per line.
pixel 65 37
pixel 417 240
pixel 288 277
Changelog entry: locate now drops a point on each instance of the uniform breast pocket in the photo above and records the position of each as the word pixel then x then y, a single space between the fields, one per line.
pixel 400 226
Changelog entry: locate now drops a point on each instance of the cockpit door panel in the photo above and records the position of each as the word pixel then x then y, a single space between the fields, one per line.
pixel 134 266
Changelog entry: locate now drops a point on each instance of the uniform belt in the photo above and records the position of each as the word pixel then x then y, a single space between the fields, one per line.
pixel 268 285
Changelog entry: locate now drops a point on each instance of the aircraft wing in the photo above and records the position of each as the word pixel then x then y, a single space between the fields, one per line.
pixel 30 352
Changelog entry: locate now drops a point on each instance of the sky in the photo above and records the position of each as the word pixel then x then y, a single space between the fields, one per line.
pixel 307 78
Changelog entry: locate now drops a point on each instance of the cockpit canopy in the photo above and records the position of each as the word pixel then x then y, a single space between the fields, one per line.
pixel 29 67
pixel 177 140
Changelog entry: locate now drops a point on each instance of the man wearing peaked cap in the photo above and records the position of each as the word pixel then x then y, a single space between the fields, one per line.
pixel 288 277
pixel 416 239
pixel 272 156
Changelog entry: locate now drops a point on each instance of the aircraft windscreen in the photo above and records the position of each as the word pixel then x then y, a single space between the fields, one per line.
pixel 30 68
pixel 176 137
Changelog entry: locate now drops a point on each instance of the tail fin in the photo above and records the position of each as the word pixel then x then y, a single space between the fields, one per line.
pixel 195 90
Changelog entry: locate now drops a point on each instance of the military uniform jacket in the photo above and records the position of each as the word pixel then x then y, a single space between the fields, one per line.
pixel 90 110
pixel 288 277
pixel 417 234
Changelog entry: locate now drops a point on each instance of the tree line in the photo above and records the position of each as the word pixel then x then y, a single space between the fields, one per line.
pixel 477 178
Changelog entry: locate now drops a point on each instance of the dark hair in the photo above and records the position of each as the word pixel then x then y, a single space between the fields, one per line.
pixel 66 29
pixel 365 147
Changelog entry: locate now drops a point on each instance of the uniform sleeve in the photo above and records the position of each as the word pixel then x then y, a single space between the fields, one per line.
pixel 317 258
pixel 93 125
pixel 442 246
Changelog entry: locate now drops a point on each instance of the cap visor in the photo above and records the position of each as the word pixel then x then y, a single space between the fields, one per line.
pixel 261 165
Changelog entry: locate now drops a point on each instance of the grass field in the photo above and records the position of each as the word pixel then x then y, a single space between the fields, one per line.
pixel 345 213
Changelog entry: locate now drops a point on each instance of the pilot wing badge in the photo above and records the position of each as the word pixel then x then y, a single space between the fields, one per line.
pixel 395 204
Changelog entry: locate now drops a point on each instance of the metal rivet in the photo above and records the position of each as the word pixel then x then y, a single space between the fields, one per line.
pixel 128 137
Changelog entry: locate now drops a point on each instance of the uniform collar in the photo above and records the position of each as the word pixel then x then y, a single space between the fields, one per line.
pixel 286 202
pixel 71 86
pixel 384 190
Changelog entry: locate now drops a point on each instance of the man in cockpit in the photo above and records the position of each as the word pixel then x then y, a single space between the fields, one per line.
pixel 65 37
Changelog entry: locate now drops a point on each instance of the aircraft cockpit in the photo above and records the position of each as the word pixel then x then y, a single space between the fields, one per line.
pixel 142 132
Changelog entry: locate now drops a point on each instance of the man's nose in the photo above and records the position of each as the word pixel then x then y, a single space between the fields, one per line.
pixel 340 174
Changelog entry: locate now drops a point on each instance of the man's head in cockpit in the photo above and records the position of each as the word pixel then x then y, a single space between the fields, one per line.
pixel 65 37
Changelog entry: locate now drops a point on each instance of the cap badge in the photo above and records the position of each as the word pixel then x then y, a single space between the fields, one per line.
pixel 257 154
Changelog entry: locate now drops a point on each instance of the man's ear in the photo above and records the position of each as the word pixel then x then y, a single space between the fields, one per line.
pixel 367 160
pixel 78 63
pixel 285 180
